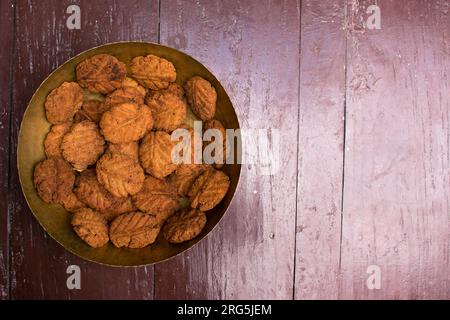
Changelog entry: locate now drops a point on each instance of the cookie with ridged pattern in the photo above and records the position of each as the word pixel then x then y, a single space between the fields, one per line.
pixel 126 122
pixel 90 226
pixel 184 226
pixel 101 73
pixel 120 174
pixel 134 230
pixel 155 154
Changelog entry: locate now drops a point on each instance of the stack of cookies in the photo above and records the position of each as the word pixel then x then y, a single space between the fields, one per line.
pixel 109 158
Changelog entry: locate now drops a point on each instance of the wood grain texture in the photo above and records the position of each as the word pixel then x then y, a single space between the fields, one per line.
pixel 38 263
pixel 320 161
pixel 283 236
pixel 6 38
pixel 397 188
pixel 252 47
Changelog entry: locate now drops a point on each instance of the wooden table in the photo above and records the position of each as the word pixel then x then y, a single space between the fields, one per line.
pixel 364 120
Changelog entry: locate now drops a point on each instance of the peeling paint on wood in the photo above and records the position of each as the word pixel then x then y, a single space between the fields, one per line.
pixel 321 139
pixel 252 47
pixel 397 188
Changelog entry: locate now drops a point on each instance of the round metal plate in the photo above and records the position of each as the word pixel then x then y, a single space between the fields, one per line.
pixel 53 218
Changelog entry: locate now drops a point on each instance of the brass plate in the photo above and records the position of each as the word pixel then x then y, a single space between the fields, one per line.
pixel 53 218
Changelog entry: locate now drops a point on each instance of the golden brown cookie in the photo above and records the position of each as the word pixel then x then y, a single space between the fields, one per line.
pixel 129 82
pixel 173 88
pixel 130 149
pixel 101 73
pixel 189 144
pixel 63 102
pixel 90 227
pixel 126 122
pixel 71 203
pixel 124 95
pixel 157 197
pixel 91 110
pixel 188 170
pixel 53 179
pixel 202 97
pixel 209 189
pixel 184 226
pixel 185 175
pixel 94 195
pixel 217 125
pixel 134 230
pixel 168 111
pixel 82 145
pixel 119 206
pixel 54 138
pixel 153 72
pixel 120 174
pixel 91 192
pixel 155 154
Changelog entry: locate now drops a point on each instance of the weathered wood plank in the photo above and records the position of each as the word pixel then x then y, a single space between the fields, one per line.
pixel 253 48
pixel 38 265
pixel 6 38
pixel 320 162
pixel 397 188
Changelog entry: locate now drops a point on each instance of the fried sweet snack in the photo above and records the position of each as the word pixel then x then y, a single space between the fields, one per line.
pixel 168 111
pixel 91 110
pixel 117 191
pixel 202 97
pixel 91 192
pixel 184 226
pixel 53 179
pixel 120 174
pixel 209 189
pixel 134 230
pixel 153 72
pixel 82 145
pixel 157 197
pixel 71 203
pixel 130 149
pixel 119 206
pixel 130 82
pixel 94 195
pixel 155 154
pixel 173 88
pixel 124 95
pixel 216 124
pixel 126 122
pixel 185 175
pixel 101 73
pixel 63 102
pixel 90 226
pixel 192 144
pixel 54 138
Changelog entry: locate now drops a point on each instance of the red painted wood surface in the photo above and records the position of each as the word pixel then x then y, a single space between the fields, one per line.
pixel 397 187
pixel 364 122
pixel 6 38
pixel 43 42
pixel 320 160
pixel 252 47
